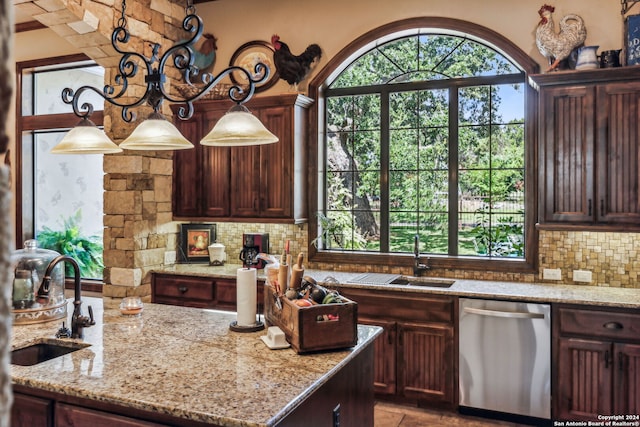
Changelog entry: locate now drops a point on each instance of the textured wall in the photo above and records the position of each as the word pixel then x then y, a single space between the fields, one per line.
pixel 6 226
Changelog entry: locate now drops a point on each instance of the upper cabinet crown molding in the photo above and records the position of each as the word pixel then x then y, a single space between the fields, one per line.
pixel 598 75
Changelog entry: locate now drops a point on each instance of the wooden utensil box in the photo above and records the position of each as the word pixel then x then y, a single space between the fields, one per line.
pixel 316 328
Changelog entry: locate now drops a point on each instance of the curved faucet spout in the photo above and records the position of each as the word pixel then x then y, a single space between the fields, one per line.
pixel 78 321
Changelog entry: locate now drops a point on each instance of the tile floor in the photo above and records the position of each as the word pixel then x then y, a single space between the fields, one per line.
pixel 392 415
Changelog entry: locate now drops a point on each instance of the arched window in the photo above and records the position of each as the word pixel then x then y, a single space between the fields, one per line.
pixel 423 132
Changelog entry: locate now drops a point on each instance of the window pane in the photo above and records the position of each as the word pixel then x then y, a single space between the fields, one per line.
pixel 68 202
pixel 434 233
pixel 49 85
pixel 509 103
pixel 403 226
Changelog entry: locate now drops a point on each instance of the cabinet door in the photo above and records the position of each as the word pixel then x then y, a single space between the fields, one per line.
pixel 276 164
pixel 201 175
pixel 187 172
pixel 384 376
pixel 31 411
pixel 618 155
pixel 567 128
pixel 69 415
pixel 245 182
pixel 426 362
pixel 627 379
pixel 584 379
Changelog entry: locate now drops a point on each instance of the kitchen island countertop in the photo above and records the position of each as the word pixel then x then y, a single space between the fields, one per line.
pixel 604 296
pixel 184 362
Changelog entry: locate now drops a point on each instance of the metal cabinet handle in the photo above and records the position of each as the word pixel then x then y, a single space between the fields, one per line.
pixel 613 325
pixel 607 359
pixel 183 289
pixel 601 207
pixel 589 204
pixel 507 314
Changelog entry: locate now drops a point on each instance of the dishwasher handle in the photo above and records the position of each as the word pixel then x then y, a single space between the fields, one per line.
pixel 506 314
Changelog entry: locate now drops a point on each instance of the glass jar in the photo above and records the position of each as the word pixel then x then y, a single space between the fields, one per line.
pixel 23 291
pixel 33 261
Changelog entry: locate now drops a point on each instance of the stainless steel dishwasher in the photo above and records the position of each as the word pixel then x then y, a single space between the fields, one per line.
pixel 505 358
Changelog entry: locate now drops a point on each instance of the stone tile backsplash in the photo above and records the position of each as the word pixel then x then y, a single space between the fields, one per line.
pixel 611 257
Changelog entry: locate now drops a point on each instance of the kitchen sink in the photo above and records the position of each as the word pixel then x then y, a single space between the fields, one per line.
pixel 43 351
pixel 422 281
pixel 394 279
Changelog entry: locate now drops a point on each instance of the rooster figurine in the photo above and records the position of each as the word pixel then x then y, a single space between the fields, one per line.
pixel 293 68
pixel 558 46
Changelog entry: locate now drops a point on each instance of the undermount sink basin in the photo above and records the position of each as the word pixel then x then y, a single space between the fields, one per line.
pixel 43 351
pixel 422 281
pixel 394 279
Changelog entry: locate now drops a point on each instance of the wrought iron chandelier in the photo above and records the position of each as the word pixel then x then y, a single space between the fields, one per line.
pixel 237 127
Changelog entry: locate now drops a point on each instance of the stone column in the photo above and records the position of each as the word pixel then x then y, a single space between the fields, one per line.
pixel 6 228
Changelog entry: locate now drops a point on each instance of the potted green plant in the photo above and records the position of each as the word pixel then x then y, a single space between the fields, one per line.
pixel 86 250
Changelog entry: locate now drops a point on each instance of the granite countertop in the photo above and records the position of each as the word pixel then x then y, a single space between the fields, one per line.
pixel 531 292
pixel 184 362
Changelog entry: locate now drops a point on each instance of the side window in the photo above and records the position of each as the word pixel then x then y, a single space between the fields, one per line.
pixel 60 196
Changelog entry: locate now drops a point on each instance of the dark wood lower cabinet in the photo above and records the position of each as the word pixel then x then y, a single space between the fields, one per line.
pixel 198 291
pixel 597 367
pixel 415 358
pixel 31 411
pixel 426 371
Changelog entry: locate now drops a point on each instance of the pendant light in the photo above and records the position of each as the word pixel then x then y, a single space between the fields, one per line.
pixel 86 138
pixel 156 132
pixel 239 127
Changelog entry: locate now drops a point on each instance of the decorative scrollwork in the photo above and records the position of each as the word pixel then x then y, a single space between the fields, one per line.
pixel 182 56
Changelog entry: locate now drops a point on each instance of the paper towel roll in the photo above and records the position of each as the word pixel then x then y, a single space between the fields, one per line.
pixel 247 290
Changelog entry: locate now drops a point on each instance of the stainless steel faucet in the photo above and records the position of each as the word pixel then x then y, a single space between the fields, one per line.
pixel 78 321
pixel 418 268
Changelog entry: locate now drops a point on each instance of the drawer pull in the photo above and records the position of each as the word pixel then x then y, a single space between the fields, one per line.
pixel 613 325
pixel 183 289
pixel 607 359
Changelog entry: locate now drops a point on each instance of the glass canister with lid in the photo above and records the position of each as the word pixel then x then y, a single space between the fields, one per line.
pixel 30 265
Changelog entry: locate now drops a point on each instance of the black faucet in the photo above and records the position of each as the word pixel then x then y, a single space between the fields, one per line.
pixel 418 268
pixel 78 321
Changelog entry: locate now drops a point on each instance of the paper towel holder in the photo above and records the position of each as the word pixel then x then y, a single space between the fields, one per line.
pixel 258 326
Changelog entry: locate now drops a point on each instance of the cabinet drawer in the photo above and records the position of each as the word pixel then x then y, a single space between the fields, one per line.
pixel 189 288
pixel 412 307
pixel 600 324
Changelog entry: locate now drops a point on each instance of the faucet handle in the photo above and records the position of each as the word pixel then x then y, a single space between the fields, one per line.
pixel 90 321
pixel 416 244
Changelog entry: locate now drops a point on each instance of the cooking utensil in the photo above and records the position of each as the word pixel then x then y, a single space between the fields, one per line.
pixel 283 273
pixel 297 271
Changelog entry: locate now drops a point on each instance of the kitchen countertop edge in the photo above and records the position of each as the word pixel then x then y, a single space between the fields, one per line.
pixel 602 296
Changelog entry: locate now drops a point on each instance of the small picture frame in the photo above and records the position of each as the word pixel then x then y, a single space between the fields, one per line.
pixel 632 40
pixel 247 56
pixel 194 242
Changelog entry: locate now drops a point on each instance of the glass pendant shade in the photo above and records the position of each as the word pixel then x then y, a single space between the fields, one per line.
pixel 86 138
pixel 156 133
pixel 238 127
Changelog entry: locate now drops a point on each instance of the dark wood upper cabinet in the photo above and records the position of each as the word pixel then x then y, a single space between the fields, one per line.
pixel 589 148
pixel 264 182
